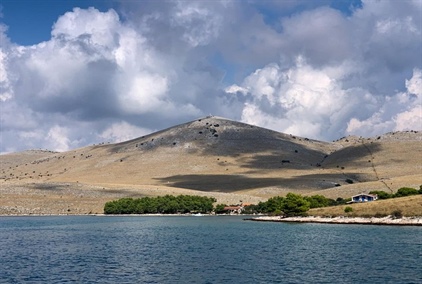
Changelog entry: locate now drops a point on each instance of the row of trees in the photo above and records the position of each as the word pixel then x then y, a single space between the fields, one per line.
pixel 292 205
pixel 401 192
pixel 167 204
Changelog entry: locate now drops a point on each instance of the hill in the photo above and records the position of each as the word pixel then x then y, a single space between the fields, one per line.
pixel 210 156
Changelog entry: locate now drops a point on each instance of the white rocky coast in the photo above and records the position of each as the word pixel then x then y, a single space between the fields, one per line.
pixel 404 221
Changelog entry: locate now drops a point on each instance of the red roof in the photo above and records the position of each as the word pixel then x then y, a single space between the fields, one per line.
pixel 232 207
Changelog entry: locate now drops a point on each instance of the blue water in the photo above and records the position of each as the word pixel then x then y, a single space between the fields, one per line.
pixel 89 249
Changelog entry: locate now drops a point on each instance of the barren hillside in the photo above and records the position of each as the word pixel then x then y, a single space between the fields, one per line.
pixel 210 156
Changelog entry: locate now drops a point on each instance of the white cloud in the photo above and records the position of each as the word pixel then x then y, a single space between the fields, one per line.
pixel 322 35
pixel 300 100
pixel 252 114
pixel 123 131
pixel 201 25
pixel 98 29
pixel 6 91
pixel 409 120
pixel 145 94
pixel 317 72
pixel 399 112
pixel 233 89
pixel 57 138
pixel 414 85
pixel 314 103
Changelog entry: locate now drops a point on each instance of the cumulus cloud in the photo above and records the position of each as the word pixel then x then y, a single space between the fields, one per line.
pixel 300 100
pixel 315 103
pixel 306 69
pixel 57 138
pixel 5 84
pixel 415 83
pixel 401 111
pixel 93 68
pixel 346 74
pixel 122 131
pixel 200 24
pixel 409 120
pixel 322 35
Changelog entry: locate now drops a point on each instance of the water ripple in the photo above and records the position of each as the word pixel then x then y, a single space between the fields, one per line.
pixel 203 250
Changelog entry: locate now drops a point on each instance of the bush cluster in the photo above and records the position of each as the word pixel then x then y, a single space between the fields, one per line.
pixel 291 205
pixel 397 214
pixel 167 204
pixel 401 192
pixel 348 209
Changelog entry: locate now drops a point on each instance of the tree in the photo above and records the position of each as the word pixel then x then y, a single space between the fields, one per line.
pixel 274 203
pixel 317 201
pixel 251 209
pixel 168 204
pixel 111 208
pixel 295 205
pixel 338 201
pixel 219 208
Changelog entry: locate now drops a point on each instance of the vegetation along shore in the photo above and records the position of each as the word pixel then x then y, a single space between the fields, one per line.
pixel 291 208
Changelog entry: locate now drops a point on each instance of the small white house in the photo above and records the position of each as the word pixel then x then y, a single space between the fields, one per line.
pixel 363 197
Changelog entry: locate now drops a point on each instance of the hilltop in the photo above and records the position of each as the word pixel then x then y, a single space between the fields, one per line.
pixel 211 156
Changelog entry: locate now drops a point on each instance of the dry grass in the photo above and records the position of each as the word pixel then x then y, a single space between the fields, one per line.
pixel 409 206
pixel 242 162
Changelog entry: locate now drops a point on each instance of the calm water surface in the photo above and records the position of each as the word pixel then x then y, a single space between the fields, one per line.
pixel 89 249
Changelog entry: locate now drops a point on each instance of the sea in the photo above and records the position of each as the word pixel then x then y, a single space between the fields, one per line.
pixel 203 249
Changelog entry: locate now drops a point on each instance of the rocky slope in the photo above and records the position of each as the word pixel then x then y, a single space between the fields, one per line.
pixel 214 156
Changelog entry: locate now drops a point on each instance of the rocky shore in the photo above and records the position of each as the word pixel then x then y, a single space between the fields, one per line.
pixel 404 221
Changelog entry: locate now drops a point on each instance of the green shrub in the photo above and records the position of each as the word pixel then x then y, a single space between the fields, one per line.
pixel 291 205
pixel 406 191
pixel 317 201
pixel 340 201
pixel 396 214
pixel 277 213
pixel 251 209
pixel 348 209
pixel 381 194
pixel 219 208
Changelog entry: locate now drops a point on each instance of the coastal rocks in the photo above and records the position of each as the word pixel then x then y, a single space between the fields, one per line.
pixel 404 221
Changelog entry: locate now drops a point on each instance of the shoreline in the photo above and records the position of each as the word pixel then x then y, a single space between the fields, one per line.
pixel 122 215
pixel 404 221
pixel 385 221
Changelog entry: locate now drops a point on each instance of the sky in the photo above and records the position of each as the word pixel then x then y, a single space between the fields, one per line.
pixel 76 73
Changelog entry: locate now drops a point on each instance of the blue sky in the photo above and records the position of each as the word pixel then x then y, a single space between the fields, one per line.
pixel 81 72
pixel 30 21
